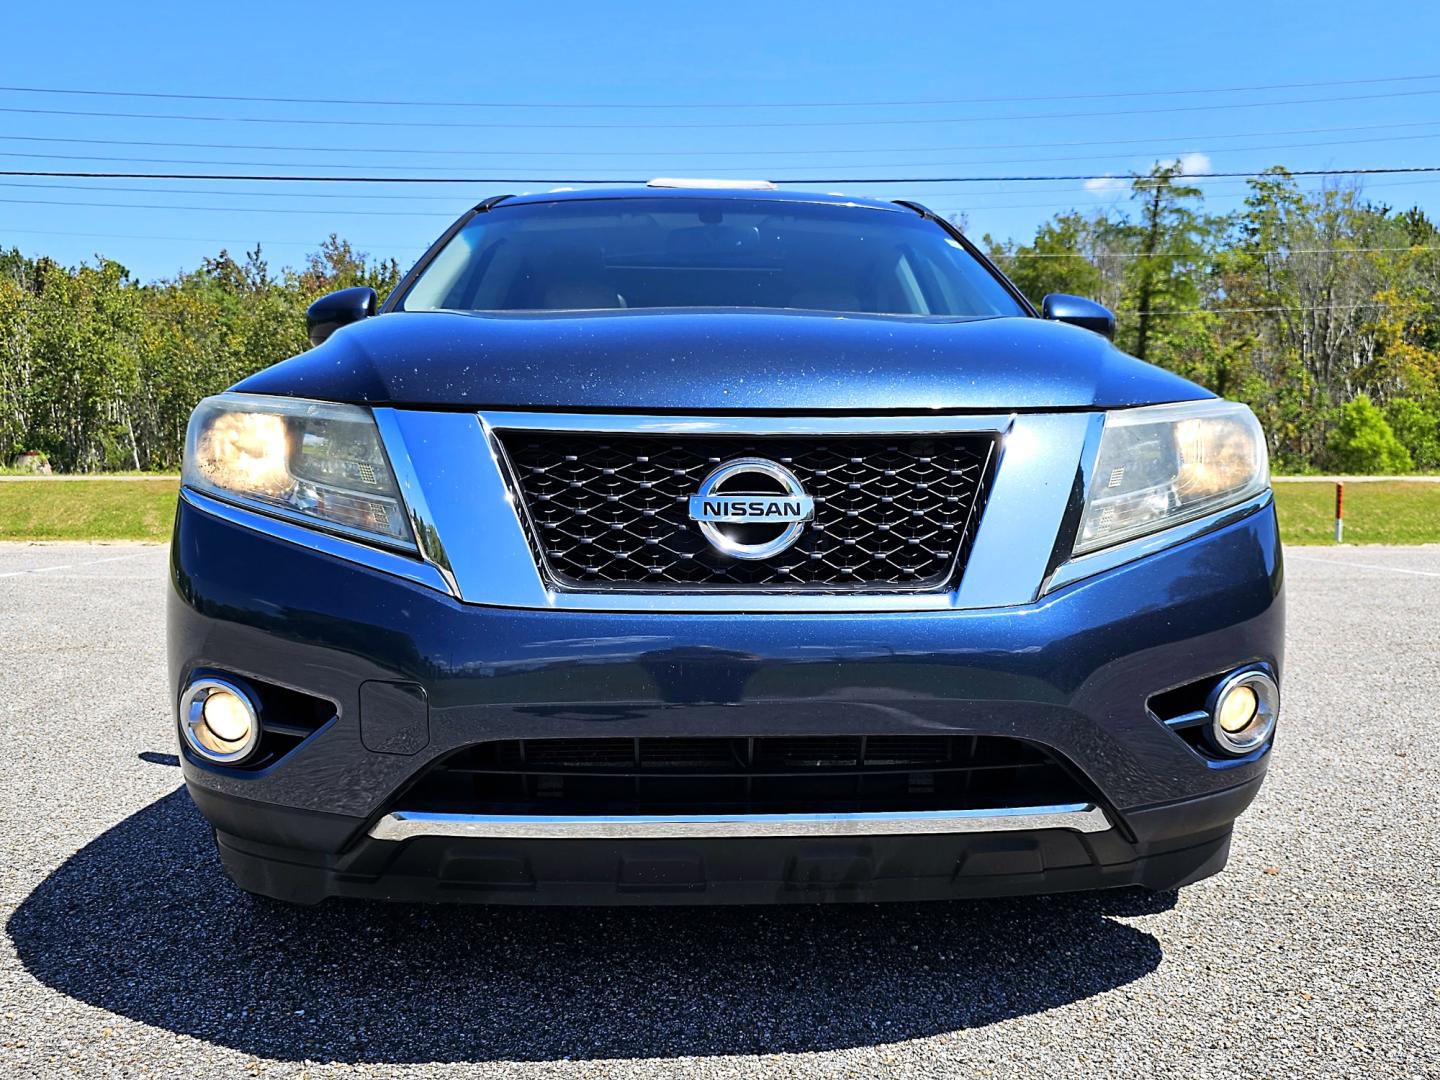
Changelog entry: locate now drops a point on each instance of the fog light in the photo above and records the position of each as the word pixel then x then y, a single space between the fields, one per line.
pixel 1243 709
pixel 219 721
pixel 1236 711
pixel 227 716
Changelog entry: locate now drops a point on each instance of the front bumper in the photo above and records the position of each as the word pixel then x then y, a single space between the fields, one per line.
pixel 1071 672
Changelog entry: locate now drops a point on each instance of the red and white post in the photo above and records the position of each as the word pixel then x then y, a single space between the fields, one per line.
pixel 1339 513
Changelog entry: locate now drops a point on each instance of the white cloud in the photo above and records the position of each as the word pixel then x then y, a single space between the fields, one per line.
pixel 1106 185
pixel 1193 163
pixel 1189 165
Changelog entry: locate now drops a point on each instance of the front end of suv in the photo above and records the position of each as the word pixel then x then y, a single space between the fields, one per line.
pixel 679 605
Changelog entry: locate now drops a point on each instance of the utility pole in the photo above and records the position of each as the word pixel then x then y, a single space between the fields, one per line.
pixel 1147 279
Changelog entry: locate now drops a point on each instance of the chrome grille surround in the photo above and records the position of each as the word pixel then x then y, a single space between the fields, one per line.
pixel 474 542
pixel 608 510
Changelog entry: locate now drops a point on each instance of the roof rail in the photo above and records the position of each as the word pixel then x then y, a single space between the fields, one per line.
pixel 919 208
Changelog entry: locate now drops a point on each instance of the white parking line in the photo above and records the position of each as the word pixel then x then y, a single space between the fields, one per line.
pixel 74 566
pixel 1364 566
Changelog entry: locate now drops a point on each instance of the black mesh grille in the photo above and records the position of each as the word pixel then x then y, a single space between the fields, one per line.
pixel 803 774
pixel 890 512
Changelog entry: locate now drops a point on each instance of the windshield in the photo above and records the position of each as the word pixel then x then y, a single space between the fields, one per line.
pixel 674 252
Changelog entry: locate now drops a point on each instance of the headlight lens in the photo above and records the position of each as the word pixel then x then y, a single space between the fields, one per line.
pixel 1166 464
pixel 312 461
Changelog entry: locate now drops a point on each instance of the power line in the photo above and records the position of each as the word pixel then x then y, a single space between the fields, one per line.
pixel 1267 310
pixel 465 198
pixel 229 209
pixel 712 169
pixel 113 159
pixel 458 203
pixel 1206 255
pixel 407 197
pixel 936 200
pixel 203 161
pixel 463 203
pixel 494 125
pixel 6 231
pixel 1028 145
pixel 711 105
pixel 817 181
pixel 956 202
pixel 458 206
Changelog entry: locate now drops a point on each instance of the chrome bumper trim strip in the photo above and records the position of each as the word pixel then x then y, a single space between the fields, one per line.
pixel 1189 719
pixel 406 824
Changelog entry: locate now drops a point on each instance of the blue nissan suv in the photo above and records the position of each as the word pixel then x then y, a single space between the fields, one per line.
pixel 706 543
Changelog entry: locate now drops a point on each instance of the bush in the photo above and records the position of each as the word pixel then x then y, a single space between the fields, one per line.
pixel 1363 441
pixel 1418 429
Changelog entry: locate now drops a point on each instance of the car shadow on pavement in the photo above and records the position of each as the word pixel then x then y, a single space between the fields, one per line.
pixel 143 923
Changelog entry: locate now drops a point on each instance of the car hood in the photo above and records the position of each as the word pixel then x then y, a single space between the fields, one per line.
pixel 702 360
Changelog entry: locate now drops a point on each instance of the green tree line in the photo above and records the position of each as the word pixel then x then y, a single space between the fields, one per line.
pixel 100 372
pixel 1320 310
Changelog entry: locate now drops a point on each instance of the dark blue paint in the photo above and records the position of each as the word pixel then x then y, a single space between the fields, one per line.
pixel 700 361
pixel 337 309
pixel 1078 311
pixel 1072 672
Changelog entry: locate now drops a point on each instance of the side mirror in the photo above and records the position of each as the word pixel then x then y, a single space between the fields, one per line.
pixel 1077 311
pixel 337 309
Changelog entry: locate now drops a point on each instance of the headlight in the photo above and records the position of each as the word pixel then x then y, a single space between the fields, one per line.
pixel 310 461
pixel 1166 464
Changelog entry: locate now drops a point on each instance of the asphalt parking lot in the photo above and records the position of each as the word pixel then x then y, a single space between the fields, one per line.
pixel 126 952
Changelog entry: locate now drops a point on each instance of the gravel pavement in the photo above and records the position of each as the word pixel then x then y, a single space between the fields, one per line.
pixel 126 953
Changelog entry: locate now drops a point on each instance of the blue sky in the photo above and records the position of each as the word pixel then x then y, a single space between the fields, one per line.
pixel 1085 89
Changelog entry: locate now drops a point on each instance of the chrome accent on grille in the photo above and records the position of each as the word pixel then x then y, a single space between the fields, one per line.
pixel 456 467
pixel 609 511
pixel 412 492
